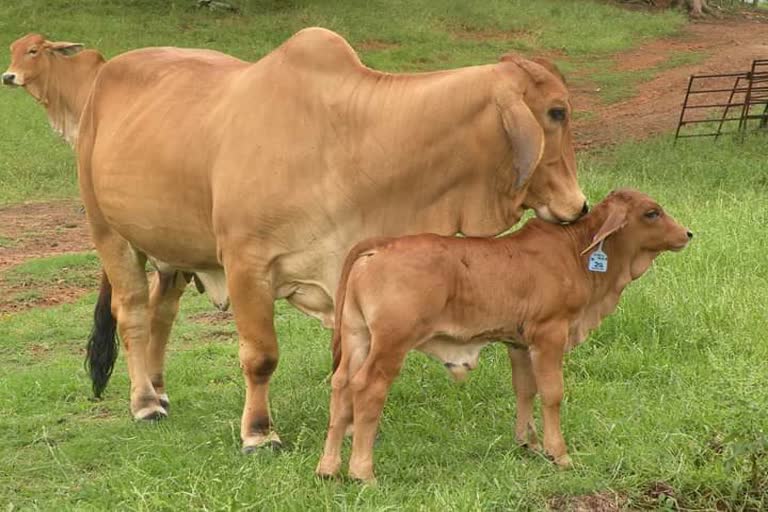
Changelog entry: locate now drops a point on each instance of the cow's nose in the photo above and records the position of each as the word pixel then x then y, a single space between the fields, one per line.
pixel 585 208
pixel 8 78
pixel 690 234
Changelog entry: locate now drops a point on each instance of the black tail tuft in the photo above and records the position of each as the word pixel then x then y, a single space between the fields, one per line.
pixel 102 344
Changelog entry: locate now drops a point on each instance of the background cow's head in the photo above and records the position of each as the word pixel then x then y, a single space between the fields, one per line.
pixel 553 190
pixel 31 58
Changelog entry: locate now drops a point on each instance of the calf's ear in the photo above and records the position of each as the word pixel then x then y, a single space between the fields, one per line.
pixel 617 219
pixel 65 48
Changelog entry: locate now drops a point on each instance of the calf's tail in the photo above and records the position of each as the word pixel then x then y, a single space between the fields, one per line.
pixel 101 351
pixel 341 292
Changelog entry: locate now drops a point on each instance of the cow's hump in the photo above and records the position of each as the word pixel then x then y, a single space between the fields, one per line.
pixel 319 49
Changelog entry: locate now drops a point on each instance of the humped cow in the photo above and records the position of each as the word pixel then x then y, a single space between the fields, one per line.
pixel 59 75
pixel 259 177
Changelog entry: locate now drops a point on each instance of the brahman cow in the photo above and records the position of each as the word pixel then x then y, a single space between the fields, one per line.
pixel 259 177
pixel 58 75
pixel 541 289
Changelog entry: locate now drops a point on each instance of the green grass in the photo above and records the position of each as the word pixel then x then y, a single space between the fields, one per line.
pixel 670 389
pixel 73 269
pixel 393 35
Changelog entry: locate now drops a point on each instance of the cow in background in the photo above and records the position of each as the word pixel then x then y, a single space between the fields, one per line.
pixel 59 75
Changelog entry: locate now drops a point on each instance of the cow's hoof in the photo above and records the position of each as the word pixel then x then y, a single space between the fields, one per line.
pixel 151 413
pixel 269 441
pixel 165 402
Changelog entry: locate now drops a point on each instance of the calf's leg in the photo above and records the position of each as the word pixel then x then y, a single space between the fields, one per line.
pixel 370 387
pixel 524 383
pixel 547 363
pixel 355 347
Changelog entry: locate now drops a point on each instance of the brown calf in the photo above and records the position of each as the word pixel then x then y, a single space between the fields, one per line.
pixel 541 289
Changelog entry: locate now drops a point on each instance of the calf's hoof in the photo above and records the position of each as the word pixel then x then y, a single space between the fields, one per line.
pixel 328 467
pixel 362 475
pixel 165 402
pixel 253 443
pixel 369 481
pixel 563 461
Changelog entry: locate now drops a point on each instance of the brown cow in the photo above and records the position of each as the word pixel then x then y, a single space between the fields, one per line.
pixel 58 75
pixel 449 297
pixel 259 177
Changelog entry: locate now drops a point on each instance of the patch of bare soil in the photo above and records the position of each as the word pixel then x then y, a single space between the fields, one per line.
pixel 36 230
pixel 214 317
pixel 15 298
pixel 599 502
pixel 730 44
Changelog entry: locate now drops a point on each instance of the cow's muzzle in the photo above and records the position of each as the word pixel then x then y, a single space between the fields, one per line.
pixel 9 79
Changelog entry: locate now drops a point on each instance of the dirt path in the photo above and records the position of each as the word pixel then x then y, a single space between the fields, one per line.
pixel 731 45
pixel 35 230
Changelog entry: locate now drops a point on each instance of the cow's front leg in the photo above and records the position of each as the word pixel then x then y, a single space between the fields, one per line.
pixel 166 289
pixel 547 363
pixel 524 383
pixel 252 303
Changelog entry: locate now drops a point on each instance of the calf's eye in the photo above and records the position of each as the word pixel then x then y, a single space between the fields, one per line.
pixel 653 214
pixel 557 114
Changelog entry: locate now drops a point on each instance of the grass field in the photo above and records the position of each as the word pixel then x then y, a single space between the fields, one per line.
pixel 666 404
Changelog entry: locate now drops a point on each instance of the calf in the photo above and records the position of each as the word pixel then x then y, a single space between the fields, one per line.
pixel 541 290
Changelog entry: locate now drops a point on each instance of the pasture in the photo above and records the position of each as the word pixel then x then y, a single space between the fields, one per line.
pixel 665 405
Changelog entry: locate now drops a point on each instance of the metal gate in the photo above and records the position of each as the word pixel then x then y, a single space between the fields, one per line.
pixel 705 103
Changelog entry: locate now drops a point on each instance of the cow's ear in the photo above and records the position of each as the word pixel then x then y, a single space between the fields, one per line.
pixel 617 219
pixel 65 48
pixel 526 137
pixel 549 66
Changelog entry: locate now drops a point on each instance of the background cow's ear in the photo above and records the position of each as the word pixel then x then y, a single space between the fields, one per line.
pixel 65 48
pixel 526 137
pixel 549 66
pixel 617 219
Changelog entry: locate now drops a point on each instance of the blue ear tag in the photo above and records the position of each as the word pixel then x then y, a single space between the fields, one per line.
pixel 598 260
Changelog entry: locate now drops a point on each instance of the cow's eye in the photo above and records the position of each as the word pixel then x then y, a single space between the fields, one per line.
pixel 557 114
pixel 32 51
pixel 652 214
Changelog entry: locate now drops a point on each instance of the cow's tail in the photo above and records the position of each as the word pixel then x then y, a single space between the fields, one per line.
pixel 101 351
pixel 341 292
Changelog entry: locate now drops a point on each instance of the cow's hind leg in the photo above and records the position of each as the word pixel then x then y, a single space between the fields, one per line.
pixel 130 297
pixel 252 303
pixel 524 383
pixel 355 348
pixel 166 289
